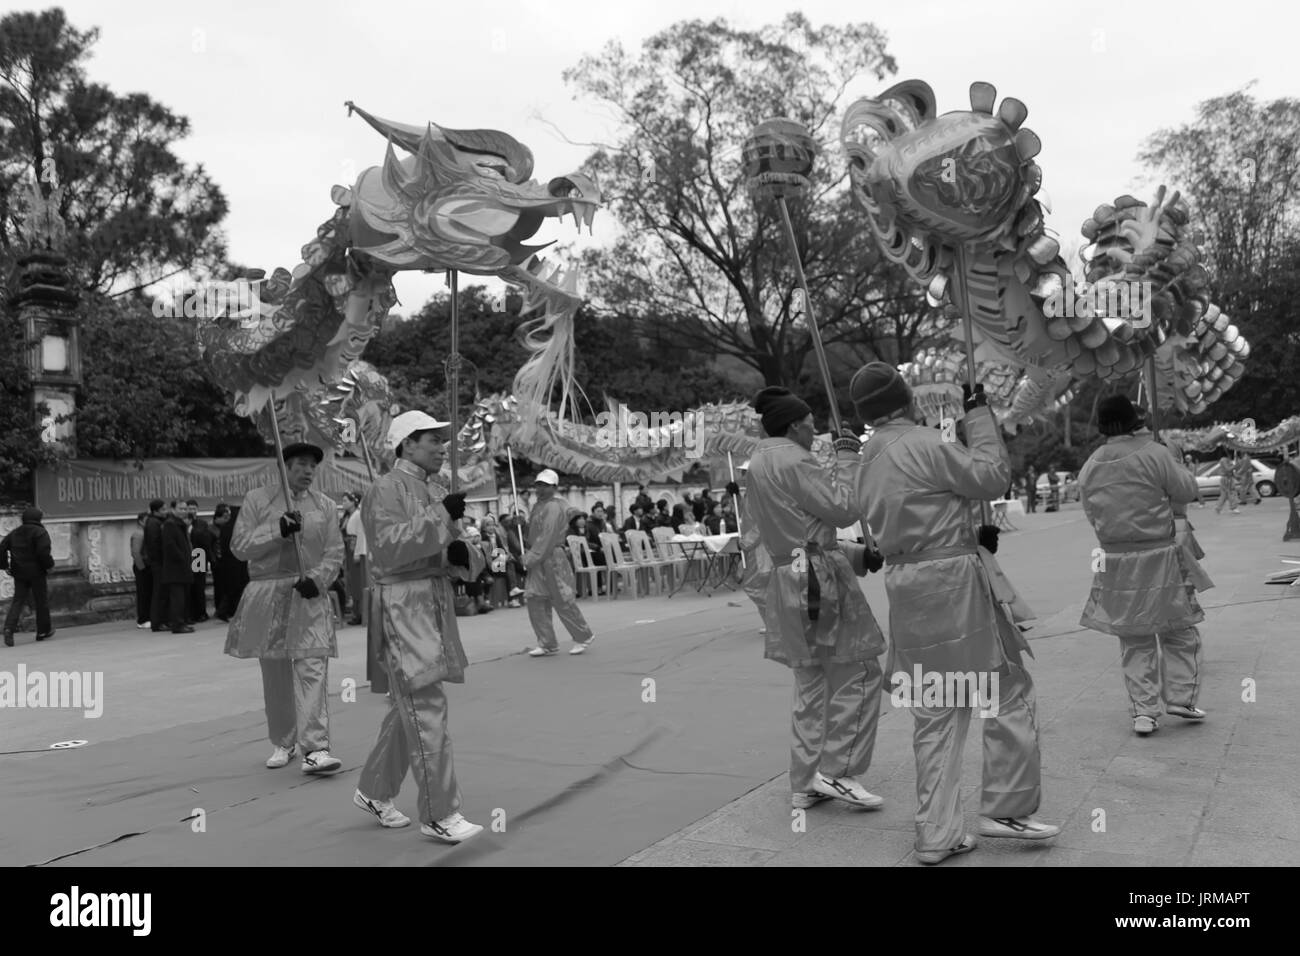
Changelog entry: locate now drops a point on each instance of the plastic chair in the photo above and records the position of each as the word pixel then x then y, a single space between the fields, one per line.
pixel 582 563
pixel 644 557
pixel 670 554
pixel 617 563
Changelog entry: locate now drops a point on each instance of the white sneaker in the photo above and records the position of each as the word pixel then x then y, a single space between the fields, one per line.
pixel 805 799
pixel 451 829
pixel 1142 726
pixel 515 592
pixel 931 857
pixel 540 651
pixel 581 648
pixel 144 625
pixel 1010 828
pixel 279 757
pixel 848 790
pixel 382 810
pixel 321 761
pixel 1185 712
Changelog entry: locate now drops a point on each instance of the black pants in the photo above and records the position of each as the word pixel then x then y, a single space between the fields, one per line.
pixel 40 598
pixel 143 595
pixel 178 602
pixel 199 596
pixel 158 608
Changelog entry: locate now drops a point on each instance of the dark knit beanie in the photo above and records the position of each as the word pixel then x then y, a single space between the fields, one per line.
pixel 878 390
pixel 779 408
pixel 1117 416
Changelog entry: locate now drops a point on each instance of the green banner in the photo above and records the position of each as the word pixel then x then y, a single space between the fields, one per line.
pixel 88 489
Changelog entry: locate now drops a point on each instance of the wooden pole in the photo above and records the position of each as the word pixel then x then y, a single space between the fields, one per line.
pixel 284 483
pixel 453 379
pixel 812 321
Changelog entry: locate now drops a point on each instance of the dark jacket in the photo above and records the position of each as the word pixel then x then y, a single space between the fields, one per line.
pixel 153 542
pixel 25 551
pixel 176 557
pixel 203 536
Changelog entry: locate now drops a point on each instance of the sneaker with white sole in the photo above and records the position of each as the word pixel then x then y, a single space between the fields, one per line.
pixel 580 647
pixel 382 810
pixel 144 625
pixel 540 651
pixel 280 757
pixel 515 592
pixel 931 857
pixel 848 790
pixel 1012 828
pixel 321 761
pixel 451 829
pixel 805 799
pixel 1187 713
pixel 1142 726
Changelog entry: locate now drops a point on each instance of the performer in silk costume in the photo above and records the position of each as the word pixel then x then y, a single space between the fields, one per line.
pixel 818 621
pixel 915 493
pixel 413 631
pixel 551 583
pixel 286 621
pixel 1135 492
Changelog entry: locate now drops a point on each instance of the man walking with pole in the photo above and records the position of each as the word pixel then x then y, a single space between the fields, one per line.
pixel 551 584
pixel 818 622
pixel 284 617
pixel 413 632
pixel 915 492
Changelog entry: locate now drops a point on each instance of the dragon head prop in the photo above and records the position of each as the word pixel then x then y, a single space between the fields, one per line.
pixel 465 200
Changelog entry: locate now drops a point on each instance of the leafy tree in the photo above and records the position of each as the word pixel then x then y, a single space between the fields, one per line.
pixel 146 393
pixel 1238 164
pixel 135 212
pixel 694 245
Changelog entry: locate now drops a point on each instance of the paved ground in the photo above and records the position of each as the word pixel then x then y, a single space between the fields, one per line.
pixel 1222 792
pixel 580 761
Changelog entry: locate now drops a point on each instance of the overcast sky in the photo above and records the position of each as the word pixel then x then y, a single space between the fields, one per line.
pixel 263 83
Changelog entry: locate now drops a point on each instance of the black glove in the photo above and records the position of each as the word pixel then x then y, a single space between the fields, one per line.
pixel 875 560
pixel 307 588
pixel 978 400
pixel 847 441
pixel 455 505
pixel 290 523
pixel 733 489
pixel 989 538
pixel 458 551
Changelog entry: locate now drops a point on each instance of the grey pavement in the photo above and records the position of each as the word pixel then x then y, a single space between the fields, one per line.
pixel 1222 792
pixel 590 769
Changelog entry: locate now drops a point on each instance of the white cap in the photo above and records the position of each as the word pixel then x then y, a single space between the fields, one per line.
pixel 405 424
pixel 547 477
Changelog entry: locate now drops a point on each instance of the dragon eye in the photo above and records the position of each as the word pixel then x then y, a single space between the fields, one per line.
pixel 496 168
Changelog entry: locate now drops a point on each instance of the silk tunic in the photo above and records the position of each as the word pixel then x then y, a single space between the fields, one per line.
pixel 758 563
pixel 915 492
pixel 412 613
pixel 550 574
pixel 1131 488
pixel 795 502
pixel 273 620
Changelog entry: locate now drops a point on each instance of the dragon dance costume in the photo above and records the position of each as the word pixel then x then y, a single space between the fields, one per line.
pixel 291 635
pixel 818 621
pixel 1134 491
pixel 551 583
pixel 915 491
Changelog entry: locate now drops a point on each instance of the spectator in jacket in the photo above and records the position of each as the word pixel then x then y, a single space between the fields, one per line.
pixel 176 579
pixel 231 573
pixel 643 499
pixel 203 540
pixel 140 569
pixel 153 526
pixel 713 520
pixel 25 554
pixel 661 517
pixel 638 521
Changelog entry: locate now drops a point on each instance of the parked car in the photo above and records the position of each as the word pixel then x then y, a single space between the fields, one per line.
pixel 1208 476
